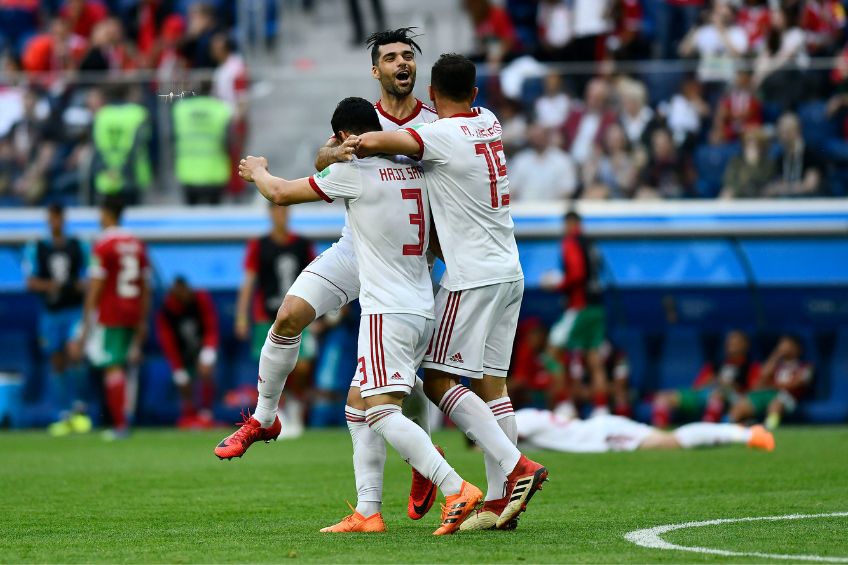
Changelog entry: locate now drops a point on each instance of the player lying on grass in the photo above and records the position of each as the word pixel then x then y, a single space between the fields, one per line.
pixel 389 215
pixel 543 429
pixel 330 282
pixel 479 297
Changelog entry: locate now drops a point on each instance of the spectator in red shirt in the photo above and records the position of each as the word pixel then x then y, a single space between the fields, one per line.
pixel 187 325
pixel 57 50
pixel 737 110
pixel 83 15
pixel 586 124
pixel 823 21
pixel 495 39
pixel 754 18
pixel 627 43
pixel 716 385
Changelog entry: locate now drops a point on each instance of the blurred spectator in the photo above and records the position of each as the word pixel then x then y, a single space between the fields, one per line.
pixel 187 326
pixel 674 19
pixel 587 123
pixel 57 50
pixel 737 110
pixel 18 22
pixel 626 43
pixel 685 113
pixel 590 25
pixel 543 171
pixel 145 22
pixel 668 173
pixel 552 107
pixel 83 15
pixel 359 25
pixel 167 58
pixel 635 116
pixel 783 380
pixel 613 169
pixel 202 165
pixel 779 66
pixel 55 269
pixel 271 265
pixel 121 164
pixel 716 386
pixel 108 50
pixel 514 124
pixel 231 85
pixel 799 167
pixel 494 34
pixel 719 44
pixel 27 151
pixel 747 175
pixel 754 18
pixel 537 378
pixel 583 324
pixel 617 369
pixel 554 23
pixel 823 22
pixel 202 26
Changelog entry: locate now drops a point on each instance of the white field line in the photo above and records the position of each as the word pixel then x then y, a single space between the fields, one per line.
pixel 650 537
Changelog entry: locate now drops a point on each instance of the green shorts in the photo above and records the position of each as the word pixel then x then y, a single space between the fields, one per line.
pixel 109 347
pixel 693 402
pixel 579 330
pixel 308 344
pixel 760 400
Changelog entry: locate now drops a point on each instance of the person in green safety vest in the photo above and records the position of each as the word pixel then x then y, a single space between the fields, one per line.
pixel 121 135
pixel 202 134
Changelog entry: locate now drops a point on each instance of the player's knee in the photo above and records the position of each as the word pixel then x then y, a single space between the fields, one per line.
pixel 354 399
pixel 293 316
pixel 436 385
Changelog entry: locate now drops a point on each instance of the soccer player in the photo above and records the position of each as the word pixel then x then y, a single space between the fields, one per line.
pixel 479 298
pixel 187 326
pixel 272 262
pixel 390 219
pixel 330 282
pixel 55 269
pixel 542 429
pixel 117 303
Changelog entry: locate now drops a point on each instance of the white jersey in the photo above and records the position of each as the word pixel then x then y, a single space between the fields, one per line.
pixel 464 161
pixel 422 114
pixel 390 215
pixel 542 429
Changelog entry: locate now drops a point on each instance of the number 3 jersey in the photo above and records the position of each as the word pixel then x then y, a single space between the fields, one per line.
pixel 389 214
pixel 464 162
pixel 121 261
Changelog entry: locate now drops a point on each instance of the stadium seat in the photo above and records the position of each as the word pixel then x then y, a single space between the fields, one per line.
pixel 815 124
pixel 680 359
pixel 834 407
pixel 710 163
pixel 158 401
pixel 632 342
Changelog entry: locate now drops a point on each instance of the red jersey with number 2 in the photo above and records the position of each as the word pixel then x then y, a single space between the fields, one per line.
pixel 121 261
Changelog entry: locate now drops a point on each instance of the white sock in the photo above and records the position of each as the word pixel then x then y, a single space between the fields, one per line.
pixel 416 406
pixel 413 445
pixel 702 433
pixel 369 457
pixel 495 477
pixel 473 417
pixel 278 358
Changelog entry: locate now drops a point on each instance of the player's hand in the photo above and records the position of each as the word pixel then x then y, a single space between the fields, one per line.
pixel 242 329
pixel 347 150
pixel 250 166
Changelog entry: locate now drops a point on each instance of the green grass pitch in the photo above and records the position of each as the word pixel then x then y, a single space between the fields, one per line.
pixel 162 497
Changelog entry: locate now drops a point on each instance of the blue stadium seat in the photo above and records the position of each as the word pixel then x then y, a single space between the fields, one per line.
pixel 710 163
pixel 16 353
pixel 834 407
pixel 632 342
pixel 681 358
pixel 158 401
pixel 815 124
pixel 531 89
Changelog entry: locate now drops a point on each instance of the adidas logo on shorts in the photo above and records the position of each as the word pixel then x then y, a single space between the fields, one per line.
pixel 397 377
pixel 456 357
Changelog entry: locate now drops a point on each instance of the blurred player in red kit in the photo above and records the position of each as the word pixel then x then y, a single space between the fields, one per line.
pixel 115 313
pixel 187 325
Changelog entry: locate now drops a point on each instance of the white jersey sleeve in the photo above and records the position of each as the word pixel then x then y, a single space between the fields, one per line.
pixel 339 180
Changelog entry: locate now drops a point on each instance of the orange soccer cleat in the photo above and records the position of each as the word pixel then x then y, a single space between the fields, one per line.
pixel 235 444
pixel 422 493
pixel 521 484
pixel 458 507
pixel 761 438
pixel 356 522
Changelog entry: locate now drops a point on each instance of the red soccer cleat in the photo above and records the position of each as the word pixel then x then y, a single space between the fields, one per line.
pixel 249 431
pixel 521 484
pixel 422 493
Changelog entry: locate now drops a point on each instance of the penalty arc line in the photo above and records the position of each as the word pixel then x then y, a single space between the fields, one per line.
pixel 650 538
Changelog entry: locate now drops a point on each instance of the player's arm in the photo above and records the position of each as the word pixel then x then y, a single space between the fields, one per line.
pixel 335 152
pixel 168 342
pixel 35 283
pixel 278 190
pixel 89 310
pixel 401 142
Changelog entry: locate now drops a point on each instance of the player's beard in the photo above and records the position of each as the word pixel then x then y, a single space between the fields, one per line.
pixel 393 89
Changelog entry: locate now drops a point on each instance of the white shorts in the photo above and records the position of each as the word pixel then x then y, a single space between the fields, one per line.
pixel 390 349
pixel 544 430
pixel 475 329
pixel 331 280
